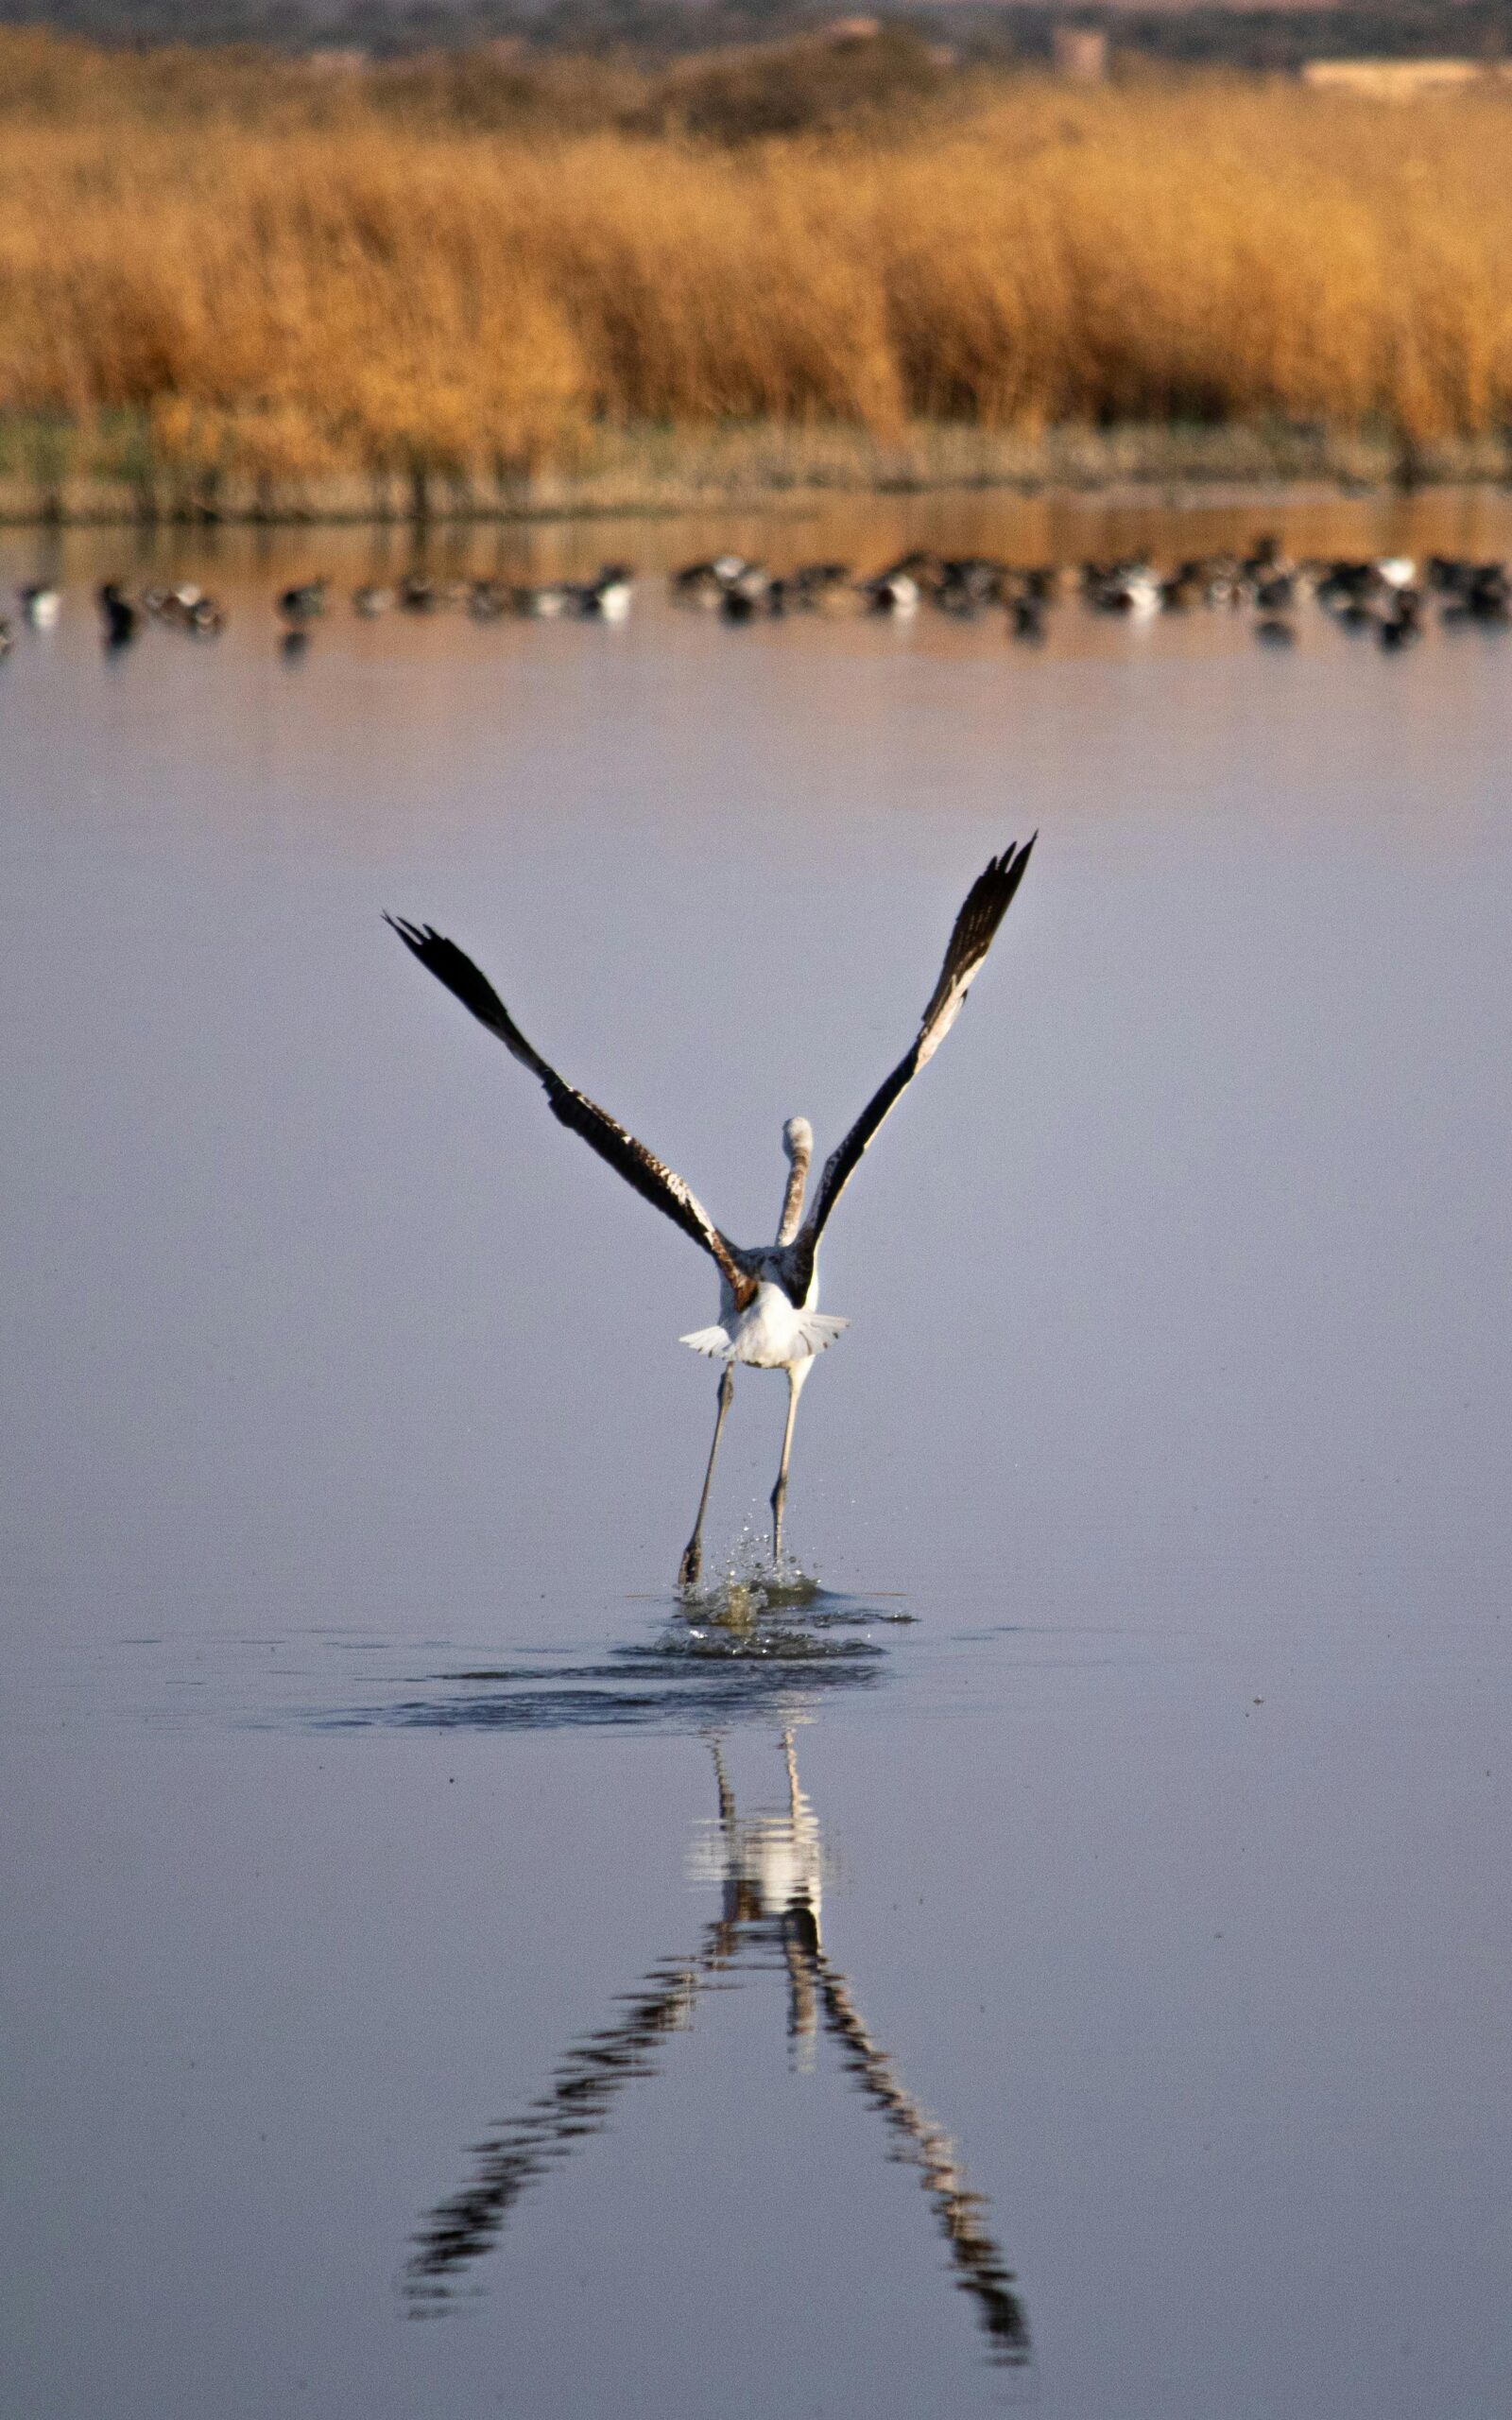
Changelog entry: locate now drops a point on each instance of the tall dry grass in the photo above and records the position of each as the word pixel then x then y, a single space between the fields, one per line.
pixel 271 296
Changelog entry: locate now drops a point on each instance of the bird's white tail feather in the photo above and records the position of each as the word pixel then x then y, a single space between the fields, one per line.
pixel 815 1330
pixel 712 1341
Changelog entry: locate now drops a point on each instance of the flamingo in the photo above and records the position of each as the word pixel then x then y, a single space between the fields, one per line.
pixel 768 1313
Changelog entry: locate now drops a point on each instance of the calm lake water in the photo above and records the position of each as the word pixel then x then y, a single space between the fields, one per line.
pixel 1065 1966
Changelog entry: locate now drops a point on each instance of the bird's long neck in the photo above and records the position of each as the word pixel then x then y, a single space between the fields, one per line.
pixel 798 1141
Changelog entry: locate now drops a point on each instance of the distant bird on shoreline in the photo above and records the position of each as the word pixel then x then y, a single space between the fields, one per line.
pixel 40 604
pixel 1392 598
pixel 122 618
pixel 768 1315
pixel 303 604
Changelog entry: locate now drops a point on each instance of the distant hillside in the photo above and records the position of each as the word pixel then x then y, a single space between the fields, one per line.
pixel 1279 36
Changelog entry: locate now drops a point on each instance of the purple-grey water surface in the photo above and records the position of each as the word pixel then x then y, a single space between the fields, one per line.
pixel 432 1986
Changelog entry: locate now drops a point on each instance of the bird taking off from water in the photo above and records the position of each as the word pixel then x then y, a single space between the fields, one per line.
pixel 768 1293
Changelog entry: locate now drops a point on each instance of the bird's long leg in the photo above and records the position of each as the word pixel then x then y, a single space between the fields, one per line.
pixel 797 1372
pixel 692 1563
pixel 795 1794
pixel 726 1797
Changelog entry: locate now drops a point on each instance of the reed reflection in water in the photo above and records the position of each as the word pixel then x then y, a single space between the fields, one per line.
pixel 769 1868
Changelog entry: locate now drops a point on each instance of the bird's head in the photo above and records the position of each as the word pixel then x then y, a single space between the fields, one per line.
pixel 798 1141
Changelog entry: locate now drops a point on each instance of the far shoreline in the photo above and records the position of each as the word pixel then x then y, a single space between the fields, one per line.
pixel 661 472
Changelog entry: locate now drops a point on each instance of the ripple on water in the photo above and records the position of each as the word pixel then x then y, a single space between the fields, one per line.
pixel 740 1650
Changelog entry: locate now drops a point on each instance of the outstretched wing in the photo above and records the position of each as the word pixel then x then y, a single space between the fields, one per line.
pixel 985 907
pixel 634 1163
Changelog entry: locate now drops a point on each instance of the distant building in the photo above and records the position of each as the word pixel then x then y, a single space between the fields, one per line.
pixel 1080 53
pixel 1400 79
pixel 327 58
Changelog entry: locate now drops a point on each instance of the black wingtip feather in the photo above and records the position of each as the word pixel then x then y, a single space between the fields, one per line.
pixel 986 904
pixel 639 1167
pixel 467 982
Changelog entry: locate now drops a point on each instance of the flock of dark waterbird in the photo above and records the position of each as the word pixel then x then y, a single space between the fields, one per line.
pixel 1389 596
pixel 1390 599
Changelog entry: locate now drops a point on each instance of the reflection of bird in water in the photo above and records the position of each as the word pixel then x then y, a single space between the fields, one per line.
pixel 769 1869
pixel 768 1315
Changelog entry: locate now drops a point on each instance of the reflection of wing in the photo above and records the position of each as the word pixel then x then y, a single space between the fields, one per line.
pixel 975 2257
pixel 986 904
pixel 655 1182
pixel 594 2070
pixel 589 2077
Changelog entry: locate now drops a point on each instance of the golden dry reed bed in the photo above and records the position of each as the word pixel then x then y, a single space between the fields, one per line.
pixel 266 297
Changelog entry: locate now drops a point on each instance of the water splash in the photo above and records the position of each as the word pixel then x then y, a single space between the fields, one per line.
pixel 752 1583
